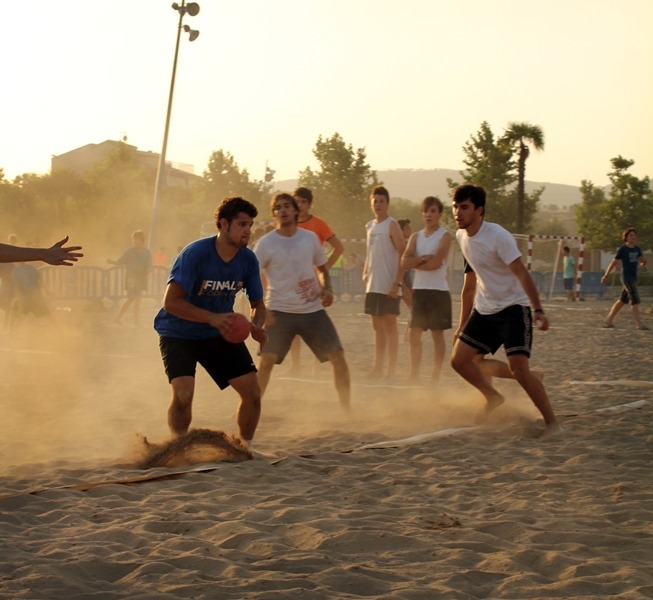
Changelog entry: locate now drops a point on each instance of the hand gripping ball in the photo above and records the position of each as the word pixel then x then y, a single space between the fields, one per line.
pixel 239 329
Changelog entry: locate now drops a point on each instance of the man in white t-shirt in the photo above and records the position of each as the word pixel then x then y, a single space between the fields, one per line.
pixel 496 302
pixel 296 298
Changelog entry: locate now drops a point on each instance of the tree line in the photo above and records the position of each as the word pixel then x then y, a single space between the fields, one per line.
pixel 115 196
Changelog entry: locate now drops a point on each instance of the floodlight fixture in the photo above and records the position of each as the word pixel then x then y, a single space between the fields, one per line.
pixel 192 33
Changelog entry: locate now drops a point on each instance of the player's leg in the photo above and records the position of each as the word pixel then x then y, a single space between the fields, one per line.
pixel 265 365
pixel 465 361
pixel 341 378
pixel 180 411
pixel 249 409
pixel 392 341
pixel 415 337
pixel 617 306
pixel 380 343
pixel 438 353
pixel 533 386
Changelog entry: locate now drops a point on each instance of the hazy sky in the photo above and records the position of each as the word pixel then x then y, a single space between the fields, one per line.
pixel 409 81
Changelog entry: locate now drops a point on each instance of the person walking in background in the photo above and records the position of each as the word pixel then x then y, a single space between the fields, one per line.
pixel 296 296
pixel 304 199
pixel 383 276
pixel 427 254
pixel 197 308
pixel 568 273
pixel 137 261
pixel 629 255
pixel 496 301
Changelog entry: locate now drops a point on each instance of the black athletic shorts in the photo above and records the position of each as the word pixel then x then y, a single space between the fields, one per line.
pixel 511 328
pixel 222 360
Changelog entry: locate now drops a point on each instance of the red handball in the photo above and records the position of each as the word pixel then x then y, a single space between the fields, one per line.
pixel 239 329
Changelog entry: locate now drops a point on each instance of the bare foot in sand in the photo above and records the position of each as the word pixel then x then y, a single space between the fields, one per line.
pixel 492 403
pixel 552 430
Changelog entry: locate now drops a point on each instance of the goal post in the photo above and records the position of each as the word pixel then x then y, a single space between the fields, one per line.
pixel 559 243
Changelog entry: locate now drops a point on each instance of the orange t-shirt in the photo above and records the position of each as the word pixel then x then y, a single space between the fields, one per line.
pixel 318 227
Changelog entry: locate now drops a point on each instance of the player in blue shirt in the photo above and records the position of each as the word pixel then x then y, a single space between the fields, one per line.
pixel 197 305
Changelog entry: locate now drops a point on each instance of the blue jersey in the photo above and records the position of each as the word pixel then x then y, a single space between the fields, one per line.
pixel 210 283
pixel 629 257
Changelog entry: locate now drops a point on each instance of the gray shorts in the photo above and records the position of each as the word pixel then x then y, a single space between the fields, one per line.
pixel 378 305
pixel 431 310
pixel 315 328
pixel 630 293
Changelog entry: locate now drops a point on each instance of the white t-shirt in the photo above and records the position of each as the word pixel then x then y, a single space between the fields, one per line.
pixel 289 265
pixel 428 245
pixel 382 257
pixel 489 253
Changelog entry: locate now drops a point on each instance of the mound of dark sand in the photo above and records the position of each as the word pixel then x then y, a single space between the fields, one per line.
pixel 196 446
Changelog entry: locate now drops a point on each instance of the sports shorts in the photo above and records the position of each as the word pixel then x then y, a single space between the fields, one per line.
pixel 221 360
pixel 511 328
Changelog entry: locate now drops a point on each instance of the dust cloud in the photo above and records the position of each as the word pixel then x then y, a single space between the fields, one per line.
pixel 80 392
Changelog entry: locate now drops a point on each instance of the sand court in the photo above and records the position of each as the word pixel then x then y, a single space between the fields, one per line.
pixel 474 512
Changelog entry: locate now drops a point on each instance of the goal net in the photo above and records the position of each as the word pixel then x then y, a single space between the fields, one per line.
pixel 543 255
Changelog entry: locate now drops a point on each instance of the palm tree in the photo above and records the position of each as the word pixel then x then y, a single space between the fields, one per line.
pixel 518 136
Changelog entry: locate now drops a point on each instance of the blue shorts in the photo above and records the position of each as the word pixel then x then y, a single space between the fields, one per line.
pixel 378 305
pixel 222 360
pixel 511 328
pixel 568 283
pixel 315 328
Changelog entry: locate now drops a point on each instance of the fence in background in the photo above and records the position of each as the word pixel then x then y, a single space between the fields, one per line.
pixel 97 283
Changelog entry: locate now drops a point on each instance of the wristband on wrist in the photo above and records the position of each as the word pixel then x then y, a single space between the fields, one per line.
pixel 539 310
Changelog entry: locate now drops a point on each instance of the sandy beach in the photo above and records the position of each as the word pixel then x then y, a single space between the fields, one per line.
pixel 341 508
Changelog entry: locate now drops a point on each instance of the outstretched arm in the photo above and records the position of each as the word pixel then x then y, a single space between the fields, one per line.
pixel 55 255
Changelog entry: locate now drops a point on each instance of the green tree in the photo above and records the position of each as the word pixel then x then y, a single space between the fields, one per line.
pixel 490 164
pixel 341 186
pixel 629 203
pixel 518 136
pixel 591 216
pixel 223 178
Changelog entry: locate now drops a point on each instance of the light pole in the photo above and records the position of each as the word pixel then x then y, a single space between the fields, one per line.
pixel 192 9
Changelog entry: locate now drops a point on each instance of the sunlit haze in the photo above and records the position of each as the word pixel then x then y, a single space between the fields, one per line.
pixel 408 81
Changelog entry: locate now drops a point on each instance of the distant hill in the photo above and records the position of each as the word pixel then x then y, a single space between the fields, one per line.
pixel 415 184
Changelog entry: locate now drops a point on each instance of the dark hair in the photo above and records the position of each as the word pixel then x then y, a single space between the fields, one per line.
pixel 283 196
pixel 468 191
pixel 379 190
pixel 403 222
pixel 230 207
pixel 624 235
pixel 305 193
pixel 431 201
pixel 566 249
